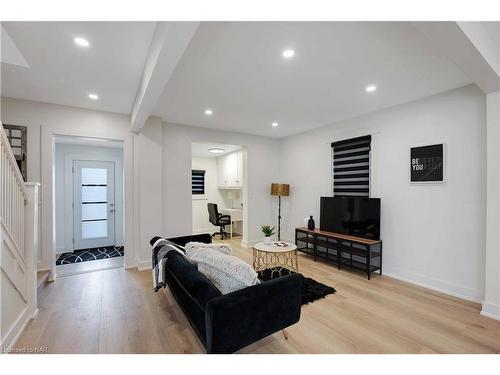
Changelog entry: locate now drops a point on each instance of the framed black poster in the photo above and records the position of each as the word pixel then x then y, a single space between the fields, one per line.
pixel 427 164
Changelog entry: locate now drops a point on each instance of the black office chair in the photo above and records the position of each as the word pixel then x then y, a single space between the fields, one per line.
pixel 218 220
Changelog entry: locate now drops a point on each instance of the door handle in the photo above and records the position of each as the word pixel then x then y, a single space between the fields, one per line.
pixel 111 210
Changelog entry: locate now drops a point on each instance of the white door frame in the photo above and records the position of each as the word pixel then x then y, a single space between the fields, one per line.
pixel 48 134
pixel 109 239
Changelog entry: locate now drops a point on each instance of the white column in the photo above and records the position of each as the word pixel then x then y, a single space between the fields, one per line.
pixel 491 303
pixel 31 245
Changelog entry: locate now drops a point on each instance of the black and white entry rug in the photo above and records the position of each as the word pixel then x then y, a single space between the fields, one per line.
pixel 86 255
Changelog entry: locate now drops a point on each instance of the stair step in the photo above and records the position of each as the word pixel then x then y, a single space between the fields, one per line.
pixel 41 278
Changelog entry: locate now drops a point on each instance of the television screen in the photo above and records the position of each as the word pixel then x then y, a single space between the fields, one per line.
pixel 350 215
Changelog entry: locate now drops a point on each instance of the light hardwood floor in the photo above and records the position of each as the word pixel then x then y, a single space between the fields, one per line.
pixel 116 311
pixel 90 266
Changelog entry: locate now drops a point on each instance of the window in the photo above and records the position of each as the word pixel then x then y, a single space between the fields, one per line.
pixel 17 140
pixel 351 167
pixel 198 182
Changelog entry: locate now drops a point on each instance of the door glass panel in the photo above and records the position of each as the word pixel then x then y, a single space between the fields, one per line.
pixel 94 194
pixel 94 229
pixel 94 176
pixel 94 211
pixel 15 133
pixel 95 198
pixel 16 142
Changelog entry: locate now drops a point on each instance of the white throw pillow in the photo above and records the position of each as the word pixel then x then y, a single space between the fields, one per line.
pixel 193 247
pixel 226 272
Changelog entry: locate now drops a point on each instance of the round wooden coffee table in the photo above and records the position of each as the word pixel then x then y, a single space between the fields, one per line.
pixel 275 255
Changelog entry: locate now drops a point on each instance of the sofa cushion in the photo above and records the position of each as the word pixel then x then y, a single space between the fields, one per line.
pixel 199 287
pixel 193 247
pixel 227 273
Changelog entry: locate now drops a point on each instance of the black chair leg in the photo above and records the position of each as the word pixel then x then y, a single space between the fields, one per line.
pixel 222 232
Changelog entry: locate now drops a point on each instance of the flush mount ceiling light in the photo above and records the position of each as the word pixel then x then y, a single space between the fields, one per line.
pixel 209 112
pixel 216 150
pixel 371 88
pixel 82 42
pixel 93 96
pixel 274 124
pixel 288 53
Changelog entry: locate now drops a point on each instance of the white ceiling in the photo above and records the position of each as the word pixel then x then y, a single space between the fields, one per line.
pixel 60 72
pixel 200 150
pixel 9 52
pixel 237 70
pixel 493 29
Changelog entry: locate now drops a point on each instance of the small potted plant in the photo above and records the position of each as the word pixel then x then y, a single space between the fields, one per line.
pixel 268 232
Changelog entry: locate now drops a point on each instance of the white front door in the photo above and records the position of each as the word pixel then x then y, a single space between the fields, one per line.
pixel 94 204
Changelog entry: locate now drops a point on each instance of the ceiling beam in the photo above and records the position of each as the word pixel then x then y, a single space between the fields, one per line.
pixel 170 40
pixel 464 50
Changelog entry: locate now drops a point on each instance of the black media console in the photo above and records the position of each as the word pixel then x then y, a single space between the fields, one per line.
pixel 346 251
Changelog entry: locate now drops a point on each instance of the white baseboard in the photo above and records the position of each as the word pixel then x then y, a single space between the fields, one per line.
pixel 17 328
pixel 490 310
pixel 206 230
pixel 130 266
pixel 438 285
pixel 249 244
pixel 144 265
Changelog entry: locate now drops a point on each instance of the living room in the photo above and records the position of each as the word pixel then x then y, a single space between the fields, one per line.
pixel 357 161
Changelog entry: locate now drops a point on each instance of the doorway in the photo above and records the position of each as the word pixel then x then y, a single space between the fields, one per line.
pixel 218 189
pixel 89 217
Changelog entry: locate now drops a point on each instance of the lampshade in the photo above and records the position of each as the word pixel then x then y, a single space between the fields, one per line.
pixel 280 189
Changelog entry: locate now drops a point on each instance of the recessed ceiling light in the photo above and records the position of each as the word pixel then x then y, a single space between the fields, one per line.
pixel 371 88
pixel 274 124
pixel 82 42
pixel 209 112
pixel 288 53
pixel 93 96
pixel 216 150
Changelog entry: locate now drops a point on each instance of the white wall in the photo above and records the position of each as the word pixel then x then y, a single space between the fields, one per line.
pixel 262 168
pixel 491 303
pixel 64 156
pixel 149 190
pixel 212 195
pixel 432 234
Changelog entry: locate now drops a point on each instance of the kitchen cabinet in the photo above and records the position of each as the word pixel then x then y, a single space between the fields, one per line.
pixel 230 171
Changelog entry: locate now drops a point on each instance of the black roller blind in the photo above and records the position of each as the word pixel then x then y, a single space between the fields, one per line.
pixel 351 167
pixel 198 181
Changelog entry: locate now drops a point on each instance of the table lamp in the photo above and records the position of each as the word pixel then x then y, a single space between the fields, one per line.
pixel 281 190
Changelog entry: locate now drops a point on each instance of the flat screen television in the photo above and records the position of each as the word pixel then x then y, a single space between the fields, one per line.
pixel 351 215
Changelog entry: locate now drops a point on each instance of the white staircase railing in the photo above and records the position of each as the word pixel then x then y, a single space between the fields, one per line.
pixel 13 194
pixel 18 246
